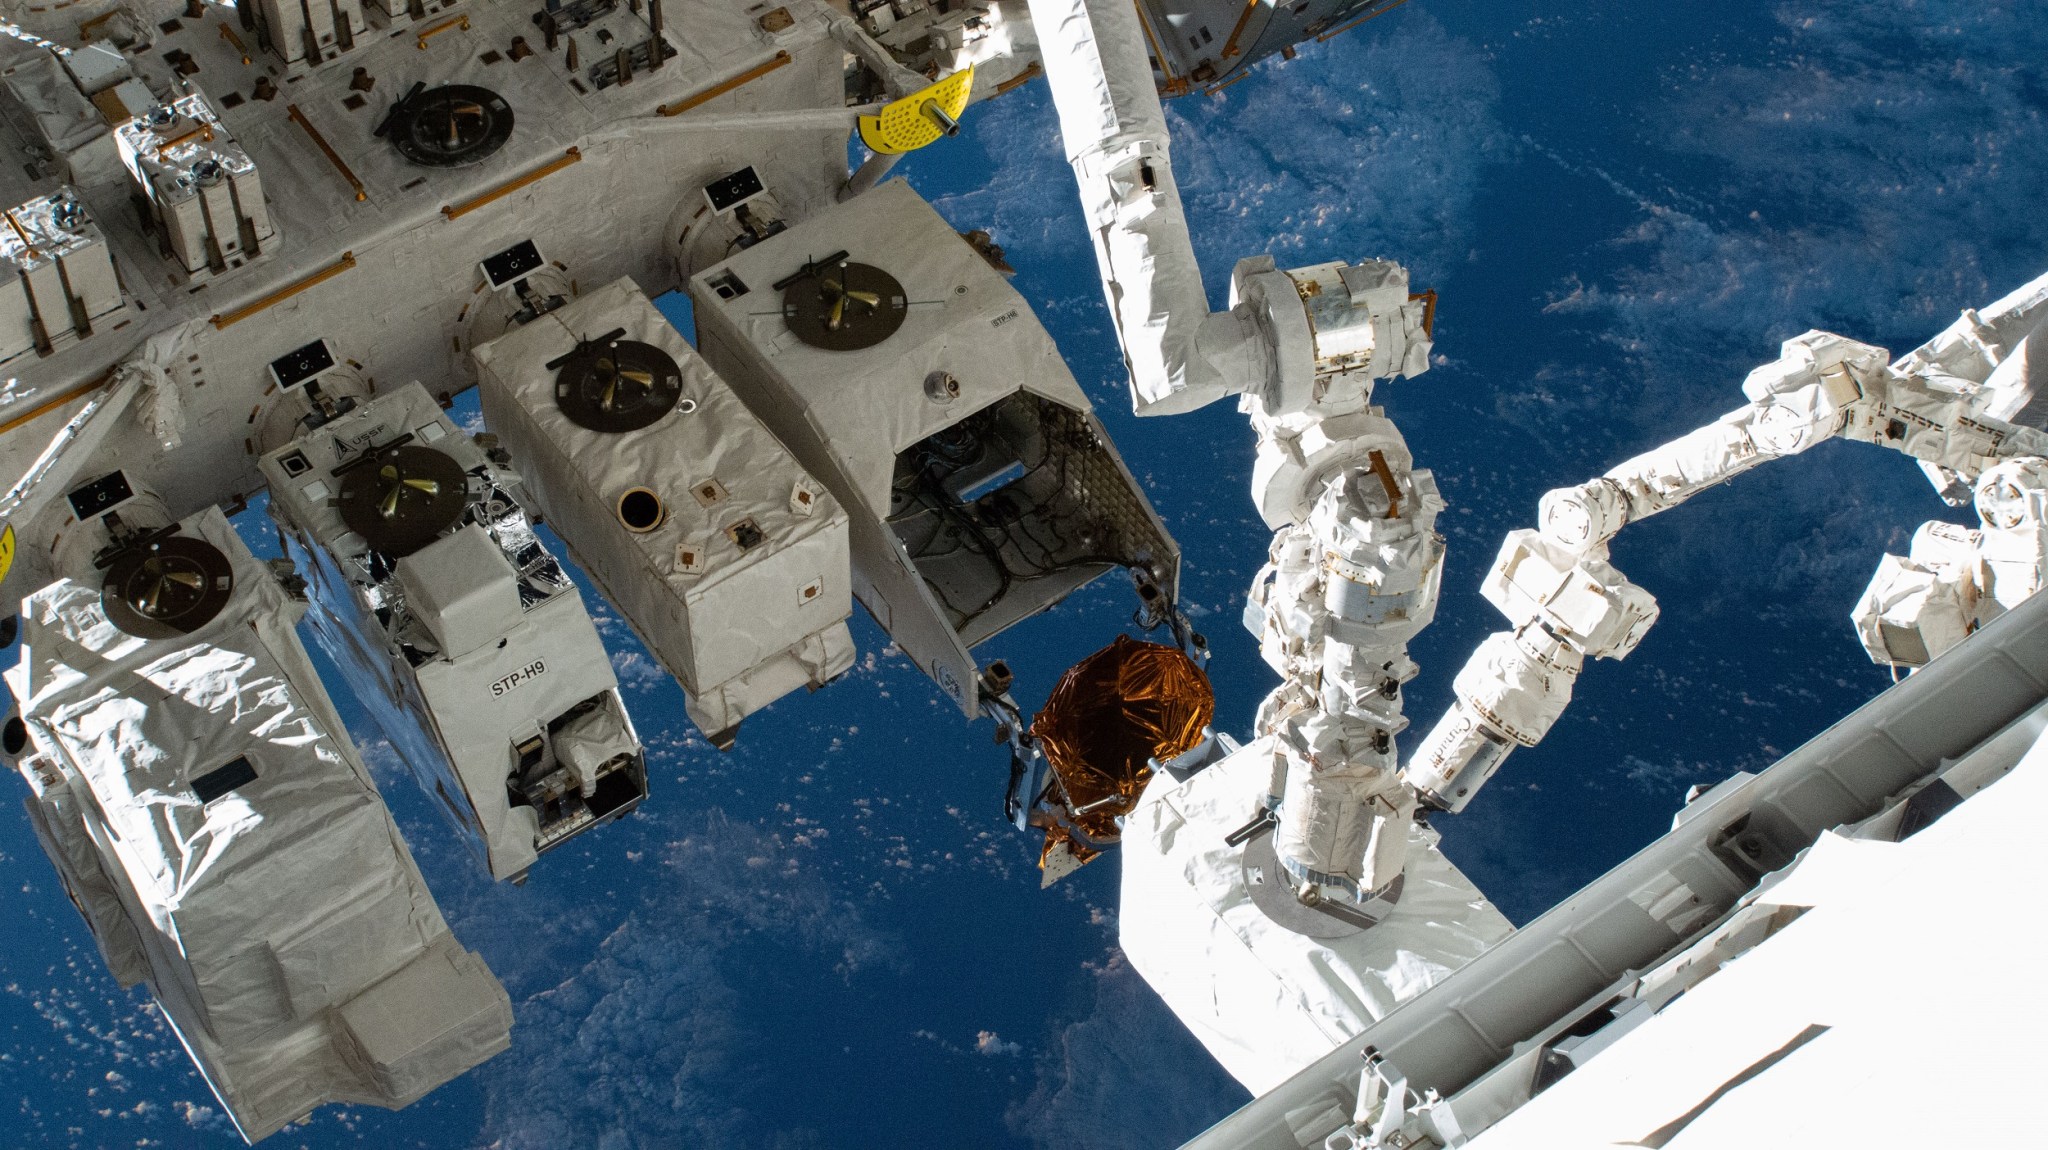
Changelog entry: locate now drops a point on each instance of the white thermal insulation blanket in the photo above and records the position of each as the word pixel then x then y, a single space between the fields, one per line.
pixel 1097 66
pixel 46 105
pixel 1264 1000
pixel 739 627
pixel 1909 978
pixel 866 406
pixel 278 922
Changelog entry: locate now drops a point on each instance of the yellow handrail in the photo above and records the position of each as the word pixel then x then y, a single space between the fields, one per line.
pixel 457 211
pixel 229 319
pixel 724 86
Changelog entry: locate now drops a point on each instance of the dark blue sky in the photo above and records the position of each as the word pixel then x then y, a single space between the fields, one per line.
pixel 828 938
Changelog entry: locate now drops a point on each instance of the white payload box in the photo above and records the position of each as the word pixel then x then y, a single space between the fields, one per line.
pixel 57 280
pixel 204 194
pixel 724 555
pixel 908 376
pixel 306 35
pixel 194 788
pixel 456 628
pixel 1269 985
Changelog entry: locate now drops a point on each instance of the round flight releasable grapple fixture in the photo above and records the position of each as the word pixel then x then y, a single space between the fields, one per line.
pixel 614 385
pixel 167 587
pixel 845 306
pixel 450 126
pixel 402 498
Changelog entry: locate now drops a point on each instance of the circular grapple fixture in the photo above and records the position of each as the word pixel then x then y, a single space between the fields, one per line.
pixel 843 306
pixel 1109 718
pixel 450 126
pixel 614 385
pixel 402 498
pixel 167 587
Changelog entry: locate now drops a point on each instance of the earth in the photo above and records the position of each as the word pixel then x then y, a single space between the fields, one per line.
pixel 828 937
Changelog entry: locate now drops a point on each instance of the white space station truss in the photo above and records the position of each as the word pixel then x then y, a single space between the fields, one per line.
pixel 256 247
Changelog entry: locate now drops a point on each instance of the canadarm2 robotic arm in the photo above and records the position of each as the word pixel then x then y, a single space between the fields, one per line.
pixel 1567 603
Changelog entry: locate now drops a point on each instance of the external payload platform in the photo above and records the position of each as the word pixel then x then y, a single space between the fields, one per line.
pixel 457 629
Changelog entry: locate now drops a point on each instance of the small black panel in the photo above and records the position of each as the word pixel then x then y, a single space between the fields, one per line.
pixel 513 264
pixel 730 191
pixel 106 491
pixel 301 364
pixel 728 285
pixel 213 784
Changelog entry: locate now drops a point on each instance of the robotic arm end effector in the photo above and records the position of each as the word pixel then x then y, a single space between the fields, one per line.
pixel 1566 607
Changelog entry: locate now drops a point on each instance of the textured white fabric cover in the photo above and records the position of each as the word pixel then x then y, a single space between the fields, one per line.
pixel 258 917
pixel 739 632
pixel 1264 1000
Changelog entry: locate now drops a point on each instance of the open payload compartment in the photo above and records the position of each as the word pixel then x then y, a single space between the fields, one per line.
pixel 895 361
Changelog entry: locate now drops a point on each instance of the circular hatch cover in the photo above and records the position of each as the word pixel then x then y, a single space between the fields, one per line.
pixel 402 498
pixel 167 587
pixel 450 126
pixel 843 306
pixel 614 385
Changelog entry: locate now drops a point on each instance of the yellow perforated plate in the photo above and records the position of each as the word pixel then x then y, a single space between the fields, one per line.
pixel 902 126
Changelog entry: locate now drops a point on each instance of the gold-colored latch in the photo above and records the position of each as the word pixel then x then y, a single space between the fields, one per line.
pixel 228 34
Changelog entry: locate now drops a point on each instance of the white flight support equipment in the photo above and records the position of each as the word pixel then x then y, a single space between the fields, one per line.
pixel 204 195
pixel 726 557
pixel 306 33
pixel 201 802
pixel 453 624
pixel 1942 404
pixel 57 279
pixel 907 375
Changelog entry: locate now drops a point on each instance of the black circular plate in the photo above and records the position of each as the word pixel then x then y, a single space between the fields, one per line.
pixel 402 498
pixel 844 308
pixel 617 385
pixel 452 125
pixel 170 587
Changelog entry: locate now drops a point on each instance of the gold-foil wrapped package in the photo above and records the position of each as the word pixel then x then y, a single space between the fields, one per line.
pixel 1106 720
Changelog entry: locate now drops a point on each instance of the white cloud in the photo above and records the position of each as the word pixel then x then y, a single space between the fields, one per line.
pixel 989 1044
pixel 649 1033
pixel 1877 171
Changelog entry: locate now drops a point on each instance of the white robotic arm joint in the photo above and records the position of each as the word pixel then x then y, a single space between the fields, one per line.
pixel 1954 579
pixel 1578 599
